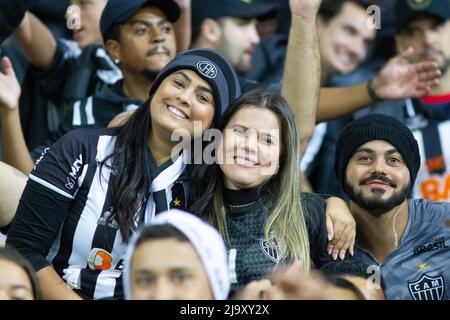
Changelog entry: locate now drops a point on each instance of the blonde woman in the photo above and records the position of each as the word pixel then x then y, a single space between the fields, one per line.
pixel 253 195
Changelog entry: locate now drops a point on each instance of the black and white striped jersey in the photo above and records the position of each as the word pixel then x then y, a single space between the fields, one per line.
pixel 85 247
pixel 95 111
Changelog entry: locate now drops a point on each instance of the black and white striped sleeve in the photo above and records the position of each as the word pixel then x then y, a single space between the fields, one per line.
pixel 39 216
pixel 47 198
pixel 62 167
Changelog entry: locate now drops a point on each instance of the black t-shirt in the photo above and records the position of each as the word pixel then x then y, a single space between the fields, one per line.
pixel 95 111
pixel 252 256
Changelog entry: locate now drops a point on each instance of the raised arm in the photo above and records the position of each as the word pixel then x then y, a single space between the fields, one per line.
pixel 11 15
pixel 37 42
pixel 183 26
pixel 301 77
pixel 15 150
pixel 397 80
pixel 43 209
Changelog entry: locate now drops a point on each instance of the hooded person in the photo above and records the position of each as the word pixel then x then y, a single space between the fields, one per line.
pixel 177 256
pixel 91 190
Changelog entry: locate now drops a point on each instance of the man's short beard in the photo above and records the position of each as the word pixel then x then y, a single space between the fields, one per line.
pixel 376 205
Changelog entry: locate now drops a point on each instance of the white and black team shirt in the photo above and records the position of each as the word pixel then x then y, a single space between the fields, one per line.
pixel 66 218
pixel 419 269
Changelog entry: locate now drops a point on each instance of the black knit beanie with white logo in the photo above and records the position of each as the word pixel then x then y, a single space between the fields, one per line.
pixel 211 66
pixel 376 127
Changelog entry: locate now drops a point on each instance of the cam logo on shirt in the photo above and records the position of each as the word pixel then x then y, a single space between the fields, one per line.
pixel 269 247
pixel 427 288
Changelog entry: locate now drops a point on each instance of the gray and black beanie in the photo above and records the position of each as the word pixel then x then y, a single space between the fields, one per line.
pixel 376 127
pixel 211 66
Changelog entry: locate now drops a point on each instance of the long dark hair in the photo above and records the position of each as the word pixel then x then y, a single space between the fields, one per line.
pixel 286 220
pixel 131 163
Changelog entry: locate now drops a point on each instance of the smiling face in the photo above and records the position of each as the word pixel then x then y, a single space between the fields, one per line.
pixel 344 40
pixel 183 101
pixel 90 12
pixel 249 153
pixel 377 177
pixel 14 282
pixel 168 269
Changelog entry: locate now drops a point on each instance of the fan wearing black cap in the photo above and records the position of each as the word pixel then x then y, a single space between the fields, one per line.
pixel 93 187
pixel 39 103
pixel 424 26
pixel 139 36
pixel 62 75
pixel 230 26
pixel 407 241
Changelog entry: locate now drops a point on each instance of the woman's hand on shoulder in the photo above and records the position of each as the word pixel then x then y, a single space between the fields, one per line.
pixel 9 87
pixel 341 228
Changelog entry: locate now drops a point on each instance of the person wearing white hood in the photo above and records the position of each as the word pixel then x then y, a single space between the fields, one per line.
pixel 176 257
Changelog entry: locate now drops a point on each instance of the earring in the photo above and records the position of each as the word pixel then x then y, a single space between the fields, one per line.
pixel 116 61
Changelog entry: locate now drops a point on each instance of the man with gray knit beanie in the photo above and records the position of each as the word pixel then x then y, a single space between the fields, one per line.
pixel 407 241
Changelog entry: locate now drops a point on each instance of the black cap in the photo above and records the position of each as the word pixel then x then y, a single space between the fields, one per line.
pixel 215 9
pixel 11 15
pixel 376 127
pixel 211 66
pixel 117 11
pixel 405 10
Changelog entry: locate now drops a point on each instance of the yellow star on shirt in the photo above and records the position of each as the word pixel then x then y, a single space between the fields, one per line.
pixel 177 202
pixel 422 266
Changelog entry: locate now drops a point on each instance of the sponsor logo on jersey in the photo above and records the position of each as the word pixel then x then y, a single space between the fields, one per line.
pixel 70 184
pixel 270 248
pixel 100 259
pixel 435 188
pixel 207 69
pixel 72 177
pixel 435 245
pixel 427 288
